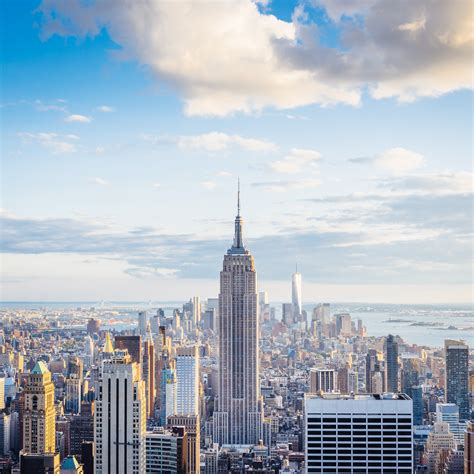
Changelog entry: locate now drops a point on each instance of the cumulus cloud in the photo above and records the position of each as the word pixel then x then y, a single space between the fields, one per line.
pixel 399 160
pixel 52 141
pixel 226 57
pixel 297 161
pixel 77 118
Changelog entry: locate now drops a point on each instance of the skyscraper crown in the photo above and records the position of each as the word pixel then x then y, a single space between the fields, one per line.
pixel 238 244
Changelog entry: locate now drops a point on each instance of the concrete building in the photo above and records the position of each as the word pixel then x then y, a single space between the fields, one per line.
pixel 469 449
pixel 238 417
pixel 120 417
pixel 142 323
pixel 440 439
pixel 187 374
pixel 361 433
pixel 457 376
pixel 191 425
pixel 39 416
pixel 449 413
pixel 73 395
pixel 166 451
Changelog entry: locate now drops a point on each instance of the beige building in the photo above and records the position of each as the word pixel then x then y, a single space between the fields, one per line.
pixel 39 432
pixel 439 440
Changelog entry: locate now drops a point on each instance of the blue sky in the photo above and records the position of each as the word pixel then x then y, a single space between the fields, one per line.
pixel 124 130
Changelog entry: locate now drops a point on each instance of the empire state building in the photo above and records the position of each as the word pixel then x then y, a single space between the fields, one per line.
pixel 239 416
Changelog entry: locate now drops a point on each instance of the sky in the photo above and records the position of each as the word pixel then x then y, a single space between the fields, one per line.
pixel 125 126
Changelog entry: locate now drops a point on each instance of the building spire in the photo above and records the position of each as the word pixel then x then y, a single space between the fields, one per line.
pixel 238 197
pixel 238 245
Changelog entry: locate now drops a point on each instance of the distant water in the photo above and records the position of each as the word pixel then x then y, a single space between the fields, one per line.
pixel 427 325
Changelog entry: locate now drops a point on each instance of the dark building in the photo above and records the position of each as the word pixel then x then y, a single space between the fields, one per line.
pixel 133 344
pixel 391 364
pixel 39 463
pixel 457 376
pixel 81 428
pixel 372 365
pixel 87 457
pixel 93 326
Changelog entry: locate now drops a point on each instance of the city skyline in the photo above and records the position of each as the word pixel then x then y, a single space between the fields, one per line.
pixel 366 181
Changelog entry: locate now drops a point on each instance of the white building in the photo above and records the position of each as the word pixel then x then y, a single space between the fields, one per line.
pixel 120 417
pixel 187 374
pixel 449 413
pixel 296 298
pixel 5 433
pixel 361 433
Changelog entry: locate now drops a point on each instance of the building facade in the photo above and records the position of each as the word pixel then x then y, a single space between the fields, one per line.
pixel 457 376
pixel 361 433
pixel 238 418
pixel 120 417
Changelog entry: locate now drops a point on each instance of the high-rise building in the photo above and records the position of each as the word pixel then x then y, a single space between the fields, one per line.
pixel 469 449
pixel 187 374
pixel 39 416
pixel 391 364
pixel 192 428
pixel 322 380
pixel 47 463
pixel 2 393
pixel 438 440
pixel 73 395
pixel 133 344
pixel 449 413
pixel 142 323
pixel 372 366
pixel 457 376
pixel 120 417
pixel 148 372
pixel 5 435
pixel 343 324
pixel 81 428
pixel 167 392
pixel 238 418
pixel 196 307
pixel 361 433
pixel 296 298
pixel 166 451
pixel 287 313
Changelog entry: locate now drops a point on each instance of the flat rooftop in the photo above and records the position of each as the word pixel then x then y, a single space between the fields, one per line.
pixel 362 396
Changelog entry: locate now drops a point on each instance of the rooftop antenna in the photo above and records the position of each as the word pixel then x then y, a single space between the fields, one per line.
pixel 238 197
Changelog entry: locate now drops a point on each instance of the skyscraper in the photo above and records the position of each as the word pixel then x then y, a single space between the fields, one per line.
pixel 120 417
pixel 142 323
pixel 39 429
pixel 457 376
pixel 391 364
pixel 187 373
pixel 322 380
pixel 239 417
pixel 296 300
pixel 133 344
pixel 360 433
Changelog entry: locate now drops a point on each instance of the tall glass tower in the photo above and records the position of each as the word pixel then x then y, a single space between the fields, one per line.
pixel 239 415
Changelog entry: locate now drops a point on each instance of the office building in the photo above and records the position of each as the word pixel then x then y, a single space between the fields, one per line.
pixel 168 387
pixel 343 324
pixel 440 439
pixel 81 428
pixel 191 425
pixel 5 433
pixel 73 395
pixel 39 416
pixel 239 416
pixel 322 380
pixel 120 417
pixel 142 323
pixel 457 376
pixel 148 372
pixel 187 374
pixel 469 448
pixel 133 344
pixel 287 314
pixel 166 451
pixel 47 463
pixel 2 393
pixel 296 298
pixel 196 311
pixel 449 413
pixel 391 364
pixel 361 433
pixel 372 366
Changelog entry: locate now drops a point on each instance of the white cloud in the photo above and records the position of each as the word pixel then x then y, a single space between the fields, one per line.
pixel 224 174
pixel 217 141
pixel 399 160
pixel 52 141
pixel 100 150
pixel 156 185
pixel 298 161
pixel 99 181
pixel 230 56
pixel 77 118
pixel 105 108
pixel 210 185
